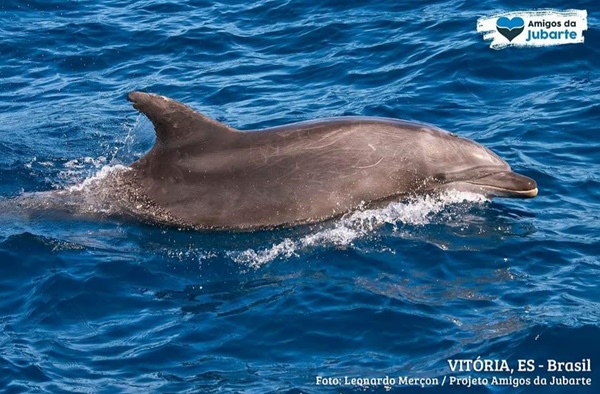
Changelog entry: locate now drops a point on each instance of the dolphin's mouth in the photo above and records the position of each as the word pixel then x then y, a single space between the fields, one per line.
pixel 505 184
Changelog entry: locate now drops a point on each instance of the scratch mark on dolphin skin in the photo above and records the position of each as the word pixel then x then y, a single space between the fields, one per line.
pixel 372 147
pixel 369 166
pixel 327 137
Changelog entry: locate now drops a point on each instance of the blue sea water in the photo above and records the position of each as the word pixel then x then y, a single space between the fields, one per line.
pixel 98 304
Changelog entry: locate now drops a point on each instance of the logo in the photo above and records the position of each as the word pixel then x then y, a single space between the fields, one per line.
pixel 536 28
pixel 510 28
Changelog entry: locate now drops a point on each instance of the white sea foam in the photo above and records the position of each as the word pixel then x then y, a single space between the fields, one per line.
pixel 359 224
pixel 96 179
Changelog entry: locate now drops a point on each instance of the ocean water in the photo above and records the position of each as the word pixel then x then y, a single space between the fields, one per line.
pixel 90 303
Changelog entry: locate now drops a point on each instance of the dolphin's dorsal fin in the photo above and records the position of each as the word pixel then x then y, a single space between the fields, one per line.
pixel 176 123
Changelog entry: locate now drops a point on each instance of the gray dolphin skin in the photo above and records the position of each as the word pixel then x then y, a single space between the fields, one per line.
pixel 203 174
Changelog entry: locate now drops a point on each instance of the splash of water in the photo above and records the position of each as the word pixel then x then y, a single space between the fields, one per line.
pixel 98 179
pixel 95 195
pixel 417 211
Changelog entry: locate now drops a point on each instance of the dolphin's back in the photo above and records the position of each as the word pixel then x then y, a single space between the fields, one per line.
pixel 210 175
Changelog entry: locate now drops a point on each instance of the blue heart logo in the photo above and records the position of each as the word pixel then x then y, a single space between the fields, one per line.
pixel 510 23
pixel 510 28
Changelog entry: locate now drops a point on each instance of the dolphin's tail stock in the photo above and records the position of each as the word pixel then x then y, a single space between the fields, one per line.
pixel 96 196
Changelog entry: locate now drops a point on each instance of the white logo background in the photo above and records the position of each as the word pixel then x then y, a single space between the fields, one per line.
pixel 568 27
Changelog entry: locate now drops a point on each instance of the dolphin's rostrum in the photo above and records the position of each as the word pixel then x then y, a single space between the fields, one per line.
pixel 201 173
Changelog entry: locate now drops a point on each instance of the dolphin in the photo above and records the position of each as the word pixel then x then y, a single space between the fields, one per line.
pixel 203 174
